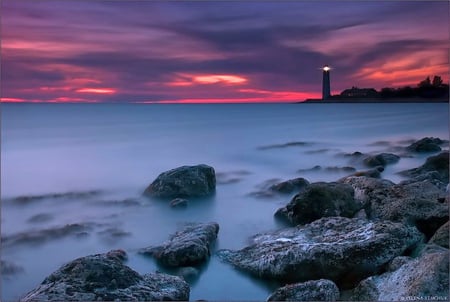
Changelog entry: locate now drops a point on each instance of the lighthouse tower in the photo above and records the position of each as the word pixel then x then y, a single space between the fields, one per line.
pixel 326 82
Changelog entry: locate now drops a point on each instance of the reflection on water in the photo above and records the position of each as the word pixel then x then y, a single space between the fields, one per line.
pixel 72 175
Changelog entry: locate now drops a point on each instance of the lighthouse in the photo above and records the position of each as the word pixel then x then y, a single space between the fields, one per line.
pixel 326 82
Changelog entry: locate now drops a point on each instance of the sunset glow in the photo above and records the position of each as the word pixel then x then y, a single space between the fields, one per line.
pixel 213 52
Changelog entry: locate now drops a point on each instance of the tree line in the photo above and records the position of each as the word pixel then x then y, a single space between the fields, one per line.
pixel 428 88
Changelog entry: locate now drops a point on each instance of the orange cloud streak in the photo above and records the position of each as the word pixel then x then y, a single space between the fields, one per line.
pixel 97 90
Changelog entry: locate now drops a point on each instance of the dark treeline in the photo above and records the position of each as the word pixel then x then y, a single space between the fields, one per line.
pixel 425 89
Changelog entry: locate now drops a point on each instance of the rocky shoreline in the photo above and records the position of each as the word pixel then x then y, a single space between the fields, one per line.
pixel 359 238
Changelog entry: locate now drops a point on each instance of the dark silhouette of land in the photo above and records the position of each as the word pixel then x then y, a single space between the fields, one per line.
pixel 427 91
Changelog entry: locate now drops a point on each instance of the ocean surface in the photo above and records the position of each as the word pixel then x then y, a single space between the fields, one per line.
pixel 87 165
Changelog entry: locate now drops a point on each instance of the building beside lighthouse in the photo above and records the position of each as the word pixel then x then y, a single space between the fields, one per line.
pixel 326 82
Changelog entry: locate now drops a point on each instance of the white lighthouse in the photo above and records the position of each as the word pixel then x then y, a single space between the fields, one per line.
pixel 326 82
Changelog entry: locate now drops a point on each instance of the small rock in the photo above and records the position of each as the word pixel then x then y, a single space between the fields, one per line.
pixel 315 290
pixel 438 163
pixel 185 181
pixel 320 200
pixel 188 273
pixel 426 144
pixel 374 173
pixel 190 246
pixel 381 159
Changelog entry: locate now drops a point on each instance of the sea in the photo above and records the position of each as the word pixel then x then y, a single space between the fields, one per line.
pixel 86 166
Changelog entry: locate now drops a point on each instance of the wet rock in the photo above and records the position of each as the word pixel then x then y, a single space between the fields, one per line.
pixel 341 249
pixel 363 186
pixel 103 277
pixel 67 195
pixel 289 186
pixel 435 167
pixel 315 168
pixel 381 159
pixel 314 290
pixel 320 200
pixel 397 262
pixel 347 169
pixel 426 144
pixel 190 246
pixel 33 237
pixel 374 173
pixel 113 234
pixel 290 144
pixel 274 187
pixel 188 273
pixel 225 178
pixel 184 182
pixel 39 218
pixel 441 237
pixel 179 203
pixel 418 203
pixel 10 268
pixel 422 278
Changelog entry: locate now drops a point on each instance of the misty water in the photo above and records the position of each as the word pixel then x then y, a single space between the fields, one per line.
pixel 104 156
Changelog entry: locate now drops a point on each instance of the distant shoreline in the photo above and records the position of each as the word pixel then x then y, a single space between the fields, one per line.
pixel 373 100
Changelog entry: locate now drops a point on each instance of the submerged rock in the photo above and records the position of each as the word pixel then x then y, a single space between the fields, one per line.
pixel 10 268
pixel 103 277
pixel 381 159
pixel 423 278
pixel 275 187
pixel 184 182
pixel 320 200
pixel 426 144
pixel 314 290
pixel 190 246
pixel 337 248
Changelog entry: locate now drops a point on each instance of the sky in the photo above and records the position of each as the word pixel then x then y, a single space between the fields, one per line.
pixel 215 51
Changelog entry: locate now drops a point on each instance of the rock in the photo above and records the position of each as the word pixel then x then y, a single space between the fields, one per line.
pixel 441 236
pixel 315 168
pixel 418 203
pixel 286 145
pixel 397 262
pixel 315 290
pixel 320 200
pixel 426 144
pixel 10 268
pixel 40 218
pixel 289 186
pixel 191 246
pixel 103 277
pixel 27 199
pixel 34 237
pixel 341 249
pixel 434 164
pixel 188 273
pixel 374 173
pixel 179 203
pixel 423 278
pixel 340 169
pixel 363 186
pixel 184 182
pixel 381 159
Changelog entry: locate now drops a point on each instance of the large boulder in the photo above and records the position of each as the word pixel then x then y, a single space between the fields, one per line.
pixel 426 144
pixel 320 200
pixel 190 246
pixel 435 167
pixel 104 277
pixel 314 290
pixel 381 159
pixel 423 278
pixel 341 249
pixel 419 203
pixel 441 237
pixel 184 182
